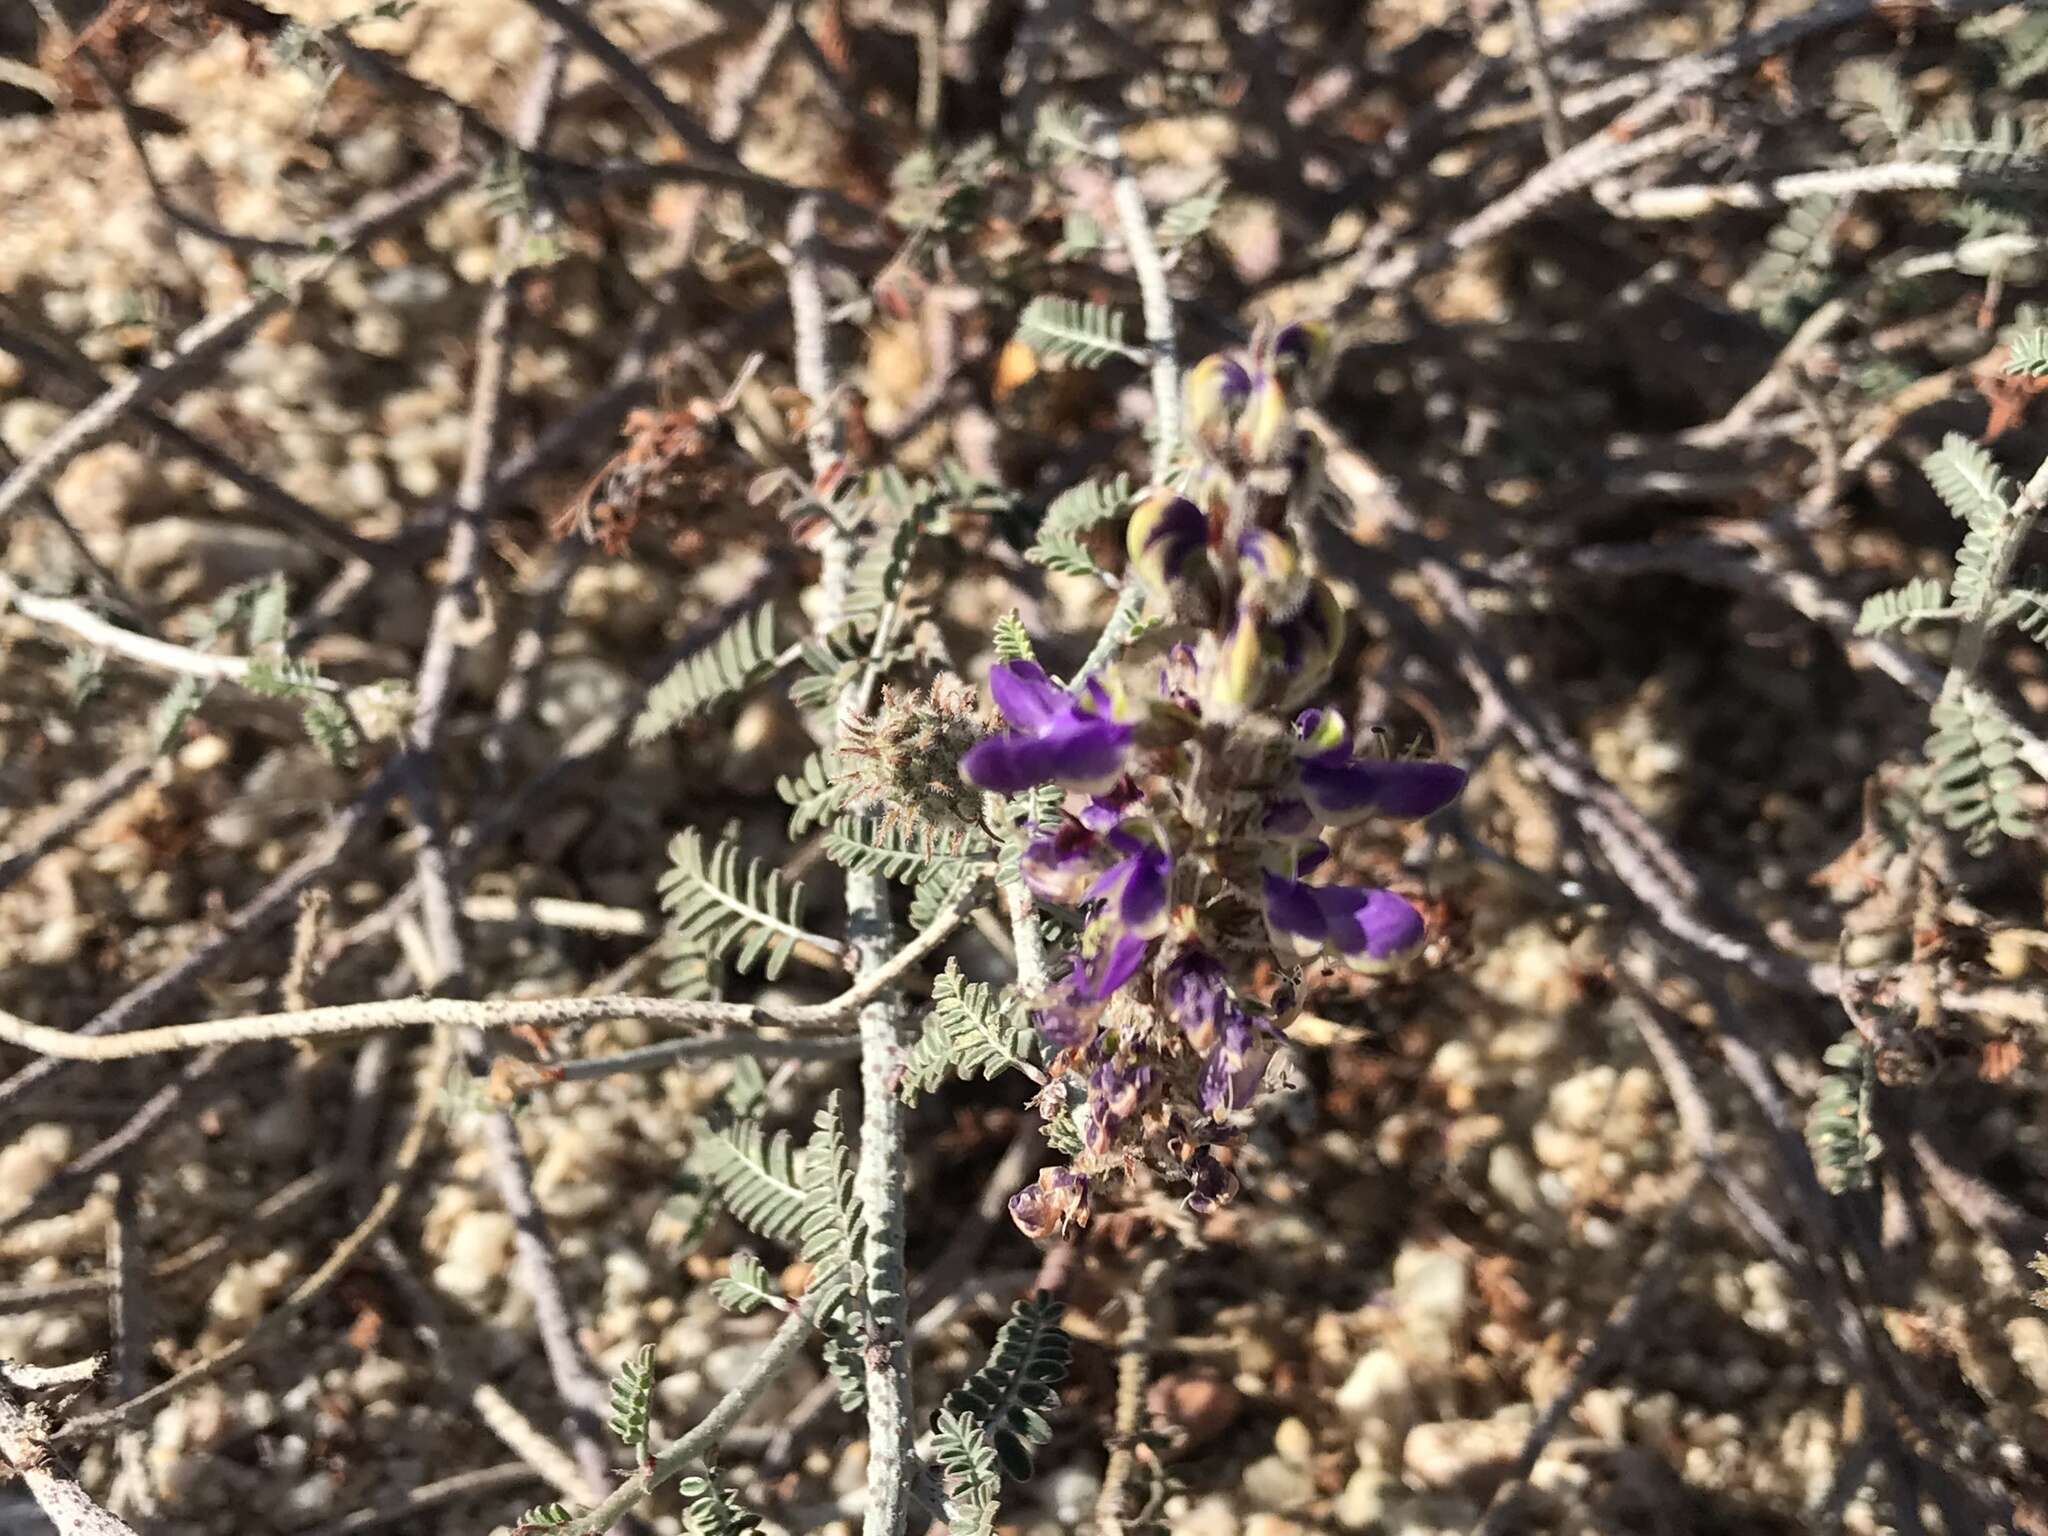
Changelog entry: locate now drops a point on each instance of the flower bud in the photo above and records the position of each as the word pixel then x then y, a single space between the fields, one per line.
pixel 1235 672
pixel 1217 388
pixel 1165 534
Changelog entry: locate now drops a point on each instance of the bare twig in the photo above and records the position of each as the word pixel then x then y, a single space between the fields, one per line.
pixel 542 1013
pixel 25 1441
pixel 1536 68
pixel 403 1163
pixel 161 655
pixel 412 1506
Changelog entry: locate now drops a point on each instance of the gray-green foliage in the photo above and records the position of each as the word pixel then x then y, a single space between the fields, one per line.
pixel 1838 1129
pixel 800 1199
pixel 741 656
pixel 968 1472
pixel 1974 774
pixel 1790 276
pixel 816 792
pixel 899 853
pixel 720 904
pixel 543 1517
pixel 1009 1397
pixel 746 1286
pixel 632 1396
pixel 1077 332
pixel 831 662
pixel 713 1510
pixel 911 506
pixel 1012 639
pixel 1905 608
pixel 1060 545
pixel 2028 356
pixel 970 1031
pixel 1975 778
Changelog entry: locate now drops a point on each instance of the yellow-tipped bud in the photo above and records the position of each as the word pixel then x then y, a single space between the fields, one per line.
pixel 1236 671
pixel 1217 388
pixel 1265 430
pixel 1296 355
pixel 1165 533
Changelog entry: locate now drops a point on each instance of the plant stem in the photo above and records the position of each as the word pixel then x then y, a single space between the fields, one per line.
pixel 879 1173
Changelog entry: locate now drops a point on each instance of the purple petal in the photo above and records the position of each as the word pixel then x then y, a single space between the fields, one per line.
pixel 1231 1077
pixel 1196 997
pixel 1135 888
pixel 1292 909
pixel 1110 966
pixel 1366 923
pixel 1413 788
pixel 1087 753
pixel 1142 907
pixel 1341 788
pixel 1025 695
pixel 1008 764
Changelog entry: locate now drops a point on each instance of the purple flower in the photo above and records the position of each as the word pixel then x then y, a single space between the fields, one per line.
pixel 1057 739
pixel 1133 892
pixel 1065 1018
pixel 1196 997
pixel 1108 959
pixel 1341 788
pixel 1115 1095
pixel 1060 865
pixel 1217 389
pixel 1363 924
pixel 1232 1071
pixel 1210 1181
pixel 1104 811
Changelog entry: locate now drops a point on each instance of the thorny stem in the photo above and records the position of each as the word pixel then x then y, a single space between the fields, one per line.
pixel 878 1175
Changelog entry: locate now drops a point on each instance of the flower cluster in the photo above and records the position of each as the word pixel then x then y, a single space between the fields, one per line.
pixel 1205 770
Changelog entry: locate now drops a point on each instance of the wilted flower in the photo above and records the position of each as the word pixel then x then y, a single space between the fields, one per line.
pixel 1058 1200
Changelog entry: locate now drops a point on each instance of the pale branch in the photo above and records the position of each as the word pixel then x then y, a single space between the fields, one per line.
pixel 25 1441
pixel 80 622
pixel 543 1013
pixel 1630 1317
pixel 1162 347
pixel 267 908
pixel 265 495
pixel 878 1172
pixel 408 1508
pixel 497 1412
pixel 1689 202
pixel 1529 45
